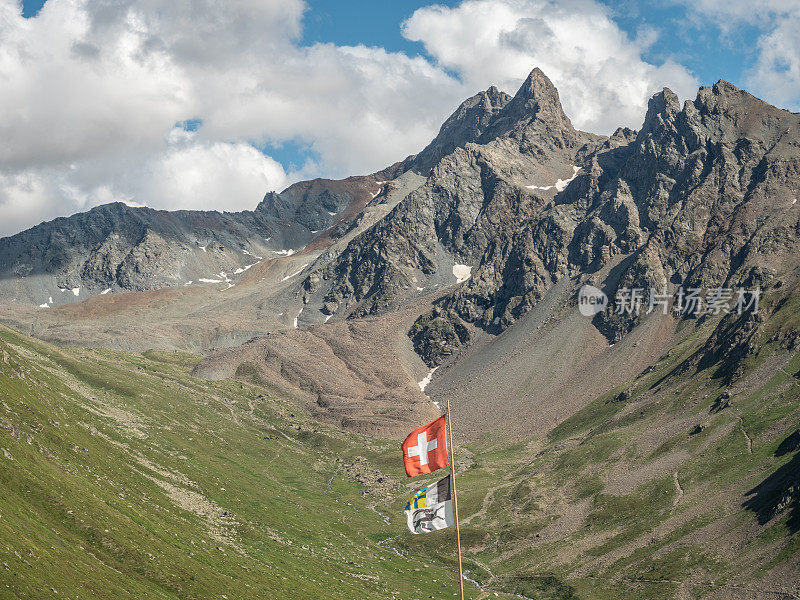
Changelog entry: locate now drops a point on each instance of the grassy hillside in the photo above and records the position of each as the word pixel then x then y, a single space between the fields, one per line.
pixel 123 477
pixel 677 484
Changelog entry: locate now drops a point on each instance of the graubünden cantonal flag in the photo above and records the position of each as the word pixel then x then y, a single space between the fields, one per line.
pixel 425 449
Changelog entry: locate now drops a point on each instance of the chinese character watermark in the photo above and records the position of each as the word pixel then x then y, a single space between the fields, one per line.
pixel 684 302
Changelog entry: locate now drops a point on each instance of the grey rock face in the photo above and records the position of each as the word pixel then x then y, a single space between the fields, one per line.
pixel 473 202
pixel 465 125
pixel 119 247
pixel 703 196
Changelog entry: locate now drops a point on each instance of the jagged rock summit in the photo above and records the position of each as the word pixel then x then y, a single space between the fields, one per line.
pixel 465 125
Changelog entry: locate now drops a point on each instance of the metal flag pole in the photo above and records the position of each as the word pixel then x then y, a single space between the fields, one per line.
pixel 455 498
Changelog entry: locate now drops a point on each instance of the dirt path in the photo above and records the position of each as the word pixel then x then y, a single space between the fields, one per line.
pixel 487 502
pixel 678 489
pixel 792 378
pixel 747 437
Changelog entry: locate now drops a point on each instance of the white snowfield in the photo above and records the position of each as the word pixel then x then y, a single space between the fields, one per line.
pixel 560 185
pixel 297 317
pixel 284 252
pixel 241 270
pixel 462 272
pixel 107 290
pixel 295 273
pixel 76 291
pixel 424 383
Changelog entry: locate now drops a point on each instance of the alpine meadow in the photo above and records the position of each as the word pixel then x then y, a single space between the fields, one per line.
pixel 552 354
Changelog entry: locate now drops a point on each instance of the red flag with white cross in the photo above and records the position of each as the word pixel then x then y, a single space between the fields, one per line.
pixel 425 449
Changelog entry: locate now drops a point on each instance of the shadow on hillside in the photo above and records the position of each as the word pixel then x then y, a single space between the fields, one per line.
pixel 780 492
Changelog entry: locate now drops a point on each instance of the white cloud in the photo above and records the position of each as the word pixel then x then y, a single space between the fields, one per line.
pixel 599 71
pixel 774 74
pixel 208 176
pixel 98 86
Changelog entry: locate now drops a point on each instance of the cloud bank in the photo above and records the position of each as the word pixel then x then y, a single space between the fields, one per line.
pixel 95 93
pixel 775 71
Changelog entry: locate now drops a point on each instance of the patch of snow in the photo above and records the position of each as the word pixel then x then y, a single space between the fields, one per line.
pixel 76 291
pixel 327 318
pixel 50 299
pixel 332 213
pixel 380 182
pixel 284 252
pixel 315 231
pixel 280 314
pixel 462 272
pixel 243 269
pixel 133 204
pixel 560 185
pixel 203 248
pixel 268 239
pixel 496 320
pixel 253 255
pixel 107 290
pixel 45 305
pixel 419 289
pixel 188 283
pixel 230 285
pixel 376 194
pixel 794 201
pixel 295 273
pixel 297 317
pixel 207 280
pixel 63 289
pixel 424 383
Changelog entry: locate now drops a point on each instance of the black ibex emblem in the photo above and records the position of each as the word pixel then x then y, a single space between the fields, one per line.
pixel 424 517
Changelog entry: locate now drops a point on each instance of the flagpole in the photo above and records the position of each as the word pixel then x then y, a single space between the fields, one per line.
pixel 455 499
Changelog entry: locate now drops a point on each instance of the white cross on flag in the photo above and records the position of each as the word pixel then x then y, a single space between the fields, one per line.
pixel 425 449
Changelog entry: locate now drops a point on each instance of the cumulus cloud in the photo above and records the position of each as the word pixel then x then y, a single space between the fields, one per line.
pixel 97 88
pixel 775 72
pixel 599 71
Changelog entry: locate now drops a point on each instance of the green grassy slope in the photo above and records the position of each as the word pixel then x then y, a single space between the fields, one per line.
pixel 674 485
pixel 123 477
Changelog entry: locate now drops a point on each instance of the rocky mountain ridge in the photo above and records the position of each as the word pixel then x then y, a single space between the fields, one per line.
pixel 703 196
pixel 116 247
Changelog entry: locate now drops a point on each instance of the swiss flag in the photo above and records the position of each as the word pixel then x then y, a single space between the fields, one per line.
pixel 425 449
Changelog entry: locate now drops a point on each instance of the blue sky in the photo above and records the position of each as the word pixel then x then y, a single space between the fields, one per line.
pixel 702 49
pixel 206 105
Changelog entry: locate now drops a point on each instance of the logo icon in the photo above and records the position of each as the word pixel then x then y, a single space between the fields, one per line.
pixel 591 300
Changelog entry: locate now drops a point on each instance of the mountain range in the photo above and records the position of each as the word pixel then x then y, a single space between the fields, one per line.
pixel 642 453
